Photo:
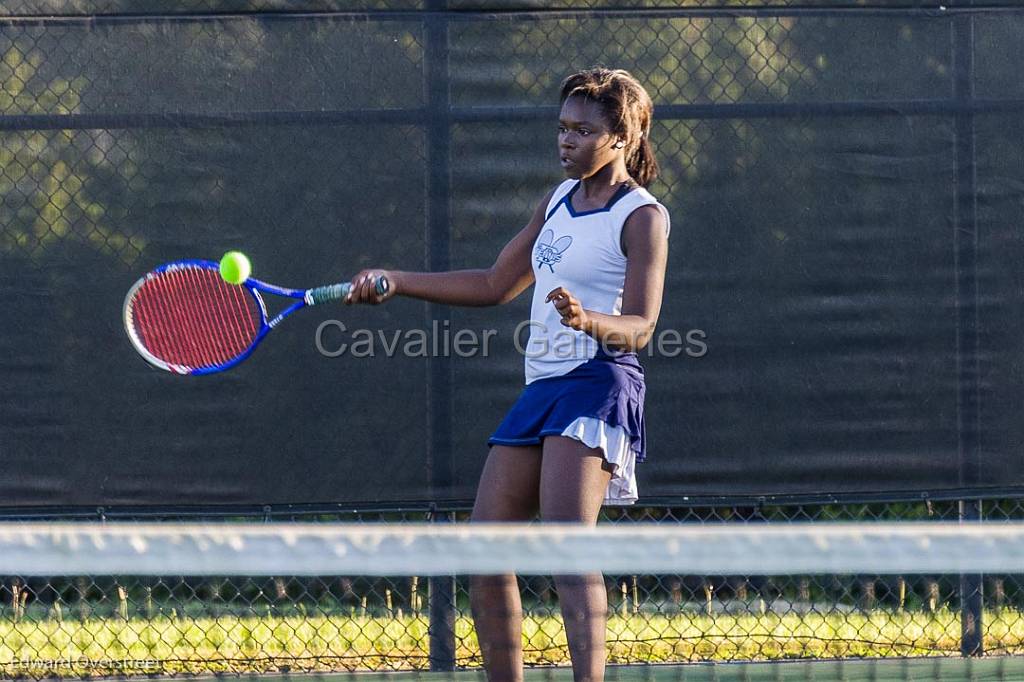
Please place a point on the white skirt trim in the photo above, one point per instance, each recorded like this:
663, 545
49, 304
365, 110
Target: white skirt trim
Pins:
614, 442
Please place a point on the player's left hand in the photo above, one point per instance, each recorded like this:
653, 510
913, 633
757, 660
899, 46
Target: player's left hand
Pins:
569, 308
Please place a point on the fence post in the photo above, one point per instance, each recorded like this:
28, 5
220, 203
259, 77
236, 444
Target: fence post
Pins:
438, 239
438, 255
441, 589
971, 594
965, 246
443, 612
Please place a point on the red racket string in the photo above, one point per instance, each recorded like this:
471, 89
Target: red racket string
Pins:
180, 344
202, 337
165, 331
209, 336
148, 325
191, 317
231, 298
222, 321
216, 328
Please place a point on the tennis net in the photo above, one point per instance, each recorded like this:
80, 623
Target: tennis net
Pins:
685, 602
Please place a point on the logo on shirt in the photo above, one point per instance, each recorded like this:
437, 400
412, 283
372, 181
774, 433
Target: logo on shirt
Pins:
549, 252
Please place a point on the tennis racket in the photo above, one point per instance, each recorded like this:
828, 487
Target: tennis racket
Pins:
184, 318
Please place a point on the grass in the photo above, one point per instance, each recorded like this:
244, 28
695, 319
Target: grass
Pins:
45, 647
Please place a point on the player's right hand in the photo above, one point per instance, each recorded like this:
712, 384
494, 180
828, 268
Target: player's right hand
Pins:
364, 287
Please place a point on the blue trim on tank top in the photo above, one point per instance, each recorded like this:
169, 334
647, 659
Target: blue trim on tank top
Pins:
567, 200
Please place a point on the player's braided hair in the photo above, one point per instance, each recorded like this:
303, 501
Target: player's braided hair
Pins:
628, 110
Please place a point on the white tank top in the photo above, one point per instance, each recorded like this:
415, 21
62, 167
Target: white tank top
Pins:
581, 252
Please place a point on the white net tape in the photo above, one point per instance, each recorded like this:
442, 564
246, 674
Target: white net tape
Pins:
47, 549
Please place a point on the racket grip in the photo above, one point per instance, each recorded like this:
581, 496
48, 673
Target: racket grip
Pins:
336, 292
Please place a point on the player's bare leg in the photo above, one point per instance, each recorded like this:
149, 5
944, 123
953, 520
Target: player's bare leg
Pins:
573, 482
508, 491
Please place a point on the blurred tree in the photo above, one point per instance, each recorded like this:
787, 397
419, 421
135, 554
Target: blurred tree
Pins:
48, 177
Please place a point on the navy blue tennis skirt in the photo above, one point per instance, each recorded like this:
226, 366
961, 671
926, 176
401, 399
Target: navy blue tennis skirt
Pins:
609, 387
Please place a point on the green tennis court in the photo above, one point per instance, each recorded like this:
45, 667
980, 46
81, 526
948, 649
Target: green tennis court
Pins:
887, 670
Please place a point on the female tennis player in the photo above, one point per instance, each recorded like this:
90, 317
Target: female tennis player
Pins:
595, 250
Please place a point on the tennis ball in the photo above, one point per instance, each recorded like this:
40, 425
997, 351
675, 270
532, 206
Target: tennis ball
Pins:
235, 267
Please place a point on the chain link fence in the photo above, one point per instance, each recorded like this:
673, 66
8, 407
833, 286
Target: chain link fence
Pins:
101, 154
92, 626
780, 148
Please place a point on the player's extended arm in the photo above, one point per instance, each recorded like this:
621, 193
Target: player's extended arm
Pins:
510, 274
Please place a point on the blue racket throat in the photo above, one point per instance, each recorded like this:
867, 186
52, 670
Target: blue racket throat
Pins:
184, 318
